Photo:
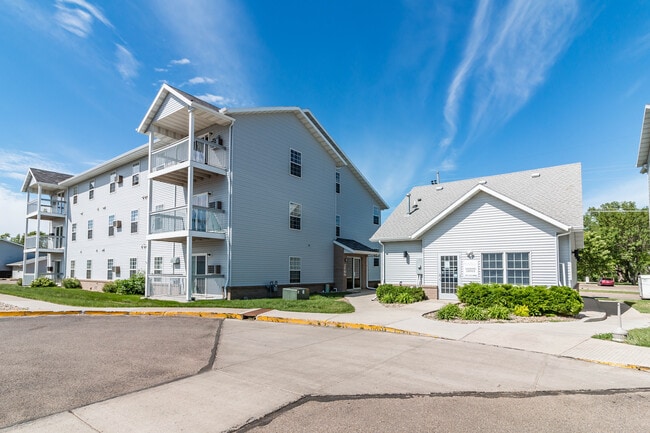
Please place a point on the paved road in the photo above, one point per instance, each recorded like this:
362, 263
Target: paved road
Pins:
53, 364
296, 372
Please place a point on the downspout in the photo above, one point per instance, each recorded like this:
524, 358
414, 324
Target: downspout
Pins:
381, 263
229, 231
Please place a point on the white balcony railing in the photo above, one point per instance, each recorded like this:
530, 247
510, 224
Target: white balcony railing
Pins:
204, 152
167, 285
56, 207
45, 242
203, 286
206, 220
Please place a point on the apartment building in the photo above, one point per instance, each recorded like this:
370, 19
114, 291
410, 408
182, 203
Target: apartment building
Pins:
219, 203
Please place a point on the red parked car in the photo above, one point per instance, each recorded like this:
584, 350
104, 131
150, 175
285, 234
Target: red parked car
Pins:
605, 281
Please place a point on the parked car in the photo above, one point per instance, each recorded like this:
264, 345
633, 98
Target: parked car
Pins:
606, 281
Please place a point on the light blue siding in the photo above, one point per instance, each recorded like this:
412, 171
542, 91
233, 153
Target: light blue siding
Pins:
398, 268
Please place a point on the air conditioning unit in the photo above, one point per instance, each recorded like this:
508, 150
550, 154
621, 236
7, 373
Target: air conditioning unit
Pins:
175, 261
117, 224
116, 269
214, 269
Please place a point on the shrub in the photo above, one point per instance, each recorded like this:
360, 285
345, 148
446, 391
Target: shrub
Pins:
448, 312
389, 294
19, 282
42, 282
132, 286
498, 312
71, 283
472, 312
109, 287
521, 311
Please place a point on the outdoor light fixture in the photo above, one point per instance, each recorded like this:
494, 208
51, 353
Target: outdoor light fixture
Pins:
406, 254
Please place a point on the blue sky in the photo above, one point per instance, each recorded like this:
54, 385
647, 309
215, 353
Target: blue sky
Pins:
407, 88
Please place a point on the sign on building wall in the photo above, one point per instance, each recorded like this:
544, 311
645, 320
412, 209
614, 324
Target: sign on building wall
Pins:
470, 268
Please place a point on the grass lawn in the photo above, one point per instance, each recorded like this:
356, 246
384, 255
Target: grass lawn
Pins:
637, 337
330, 303
642, 306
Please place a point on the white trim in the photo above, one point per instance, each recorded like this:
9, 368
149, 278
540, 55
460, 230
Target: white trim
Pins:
474, 191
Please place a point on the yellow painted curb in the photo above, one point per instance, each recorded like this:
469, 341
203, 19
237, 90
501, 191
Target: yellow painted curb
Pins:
204, 314
347, 325
616, 364
20, 313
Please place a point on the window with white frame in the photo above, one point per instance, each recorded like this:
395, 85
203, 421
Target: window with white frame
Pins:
376, 215
296, 163
133, 266
294, 269
91, 189
111, 225
90, 229
75, 191
157, 265
295, 216
72, 266
134, 221
109, 269
338, 182
111, 184
89, 269
338, 226
135, 178
518, 269
492, 268
74, 232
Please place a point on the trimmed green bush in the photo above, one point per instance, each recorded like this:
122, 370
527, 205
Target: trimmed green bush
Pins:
448, 312
498, 312
19, 282
472, 312
391, 294
521, 311
132, 286
540, 300
42, 282
71, 283
110, 287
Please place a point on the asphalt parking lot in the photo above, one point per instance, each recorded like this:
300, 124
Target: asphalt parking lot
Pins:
54, 364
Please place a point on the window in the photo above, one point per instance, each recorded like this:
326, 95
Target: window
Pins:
134, 221
135, 179
492, 268
338, 182
90, 229
296, 163
518, 269
295, 216
376, 215
338, 226
75, 190
111, 184
157, 265
111, 225
72, 264
375, 261
89, 269
74, 231
294, 269
91, 189
109, 269
133, 266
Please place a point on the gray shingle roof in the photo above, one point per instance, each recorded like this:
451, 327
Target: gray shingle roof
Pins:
51, 177
355, 246
556, 193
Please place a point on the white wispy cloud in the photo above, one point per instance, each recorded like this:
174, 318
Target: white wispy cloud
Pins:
214, 99
509, 53
160, 69
125, 62
78, 16
13, 211
15, 163
183, 61
202, 80
632, 187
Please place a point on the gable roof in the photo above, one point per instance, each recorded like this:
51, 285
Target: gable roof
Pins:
553, 194
644, 142
350, 246
43, 177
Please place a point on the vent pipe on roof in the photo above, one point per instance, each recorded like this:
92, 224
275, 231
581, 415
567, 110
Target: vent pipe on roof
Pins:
408, 209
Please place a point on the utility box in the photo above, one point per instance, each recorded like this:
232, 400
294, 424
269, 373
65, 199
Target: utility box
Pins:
295, 293
644, 286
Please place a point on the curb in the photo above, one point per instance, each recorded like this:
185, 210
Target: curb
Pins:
204, 314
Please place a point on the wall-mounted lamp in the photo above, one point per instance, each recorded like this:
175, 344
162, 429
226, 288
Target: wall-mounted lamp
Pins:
470, 255
406, 254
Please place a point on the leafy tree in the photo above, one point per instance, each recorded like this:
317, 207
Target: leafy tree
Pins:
19, 239
619, 232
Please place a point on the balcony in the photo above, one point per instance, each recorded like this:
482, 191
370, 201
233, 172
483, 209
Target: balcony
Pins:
49, 210
170, 163
172, 224
46, 243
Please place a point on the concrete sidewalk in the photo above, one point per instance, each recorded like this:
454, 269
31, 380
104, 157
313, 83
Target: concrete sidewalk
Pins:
564, 339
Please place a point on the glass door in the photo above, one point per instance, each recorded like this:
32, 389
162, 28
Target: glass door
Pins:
199, 270
353, 272
448, 277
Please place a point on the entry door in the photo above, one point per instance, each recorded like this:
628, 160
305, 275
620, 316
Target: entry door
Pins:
448, 277
353, 272
58, 237
199, 270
